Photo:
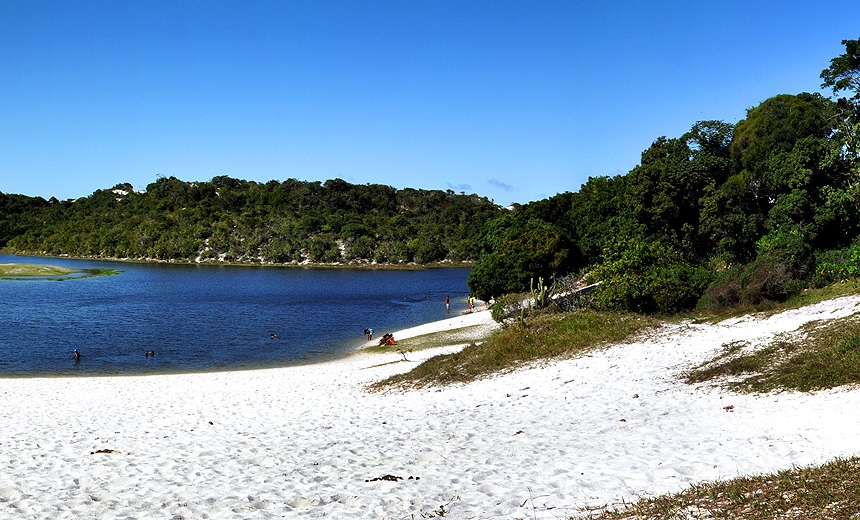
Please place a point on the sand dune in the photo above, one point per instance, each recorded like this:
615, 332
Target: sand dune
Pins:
309, 441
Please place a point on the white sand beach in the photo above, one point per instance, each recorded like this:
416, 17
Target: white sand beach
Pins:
311, 442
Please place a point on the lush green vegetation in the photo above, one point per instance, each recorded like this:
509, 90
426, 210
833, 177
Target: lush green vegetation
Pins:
827, 492
539, 337
240, 221
720, 216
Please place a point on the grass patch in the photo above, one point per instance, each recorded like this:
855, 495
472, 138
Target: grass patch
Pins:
827, 492
820, 355
19, 270
95, 272
50, 272
543, 336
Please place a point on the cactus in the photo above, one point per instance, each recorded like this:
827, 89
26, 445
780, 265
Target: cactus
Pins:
541, 295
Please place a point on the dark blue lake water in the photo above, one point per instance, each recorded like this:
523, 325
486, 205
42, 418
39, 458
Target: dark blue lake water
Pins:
203, 318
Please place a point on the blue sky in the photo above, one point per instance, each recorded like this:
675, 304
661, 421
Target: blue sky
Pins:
515, 101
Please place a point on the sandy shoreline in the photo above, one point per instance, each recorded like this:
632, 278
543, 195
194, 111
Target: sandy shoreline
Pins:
478, 318
309, 441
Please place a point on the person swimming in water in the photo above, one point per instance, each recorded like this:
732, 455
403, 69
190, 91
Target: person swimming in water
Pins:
150, 353
76, 355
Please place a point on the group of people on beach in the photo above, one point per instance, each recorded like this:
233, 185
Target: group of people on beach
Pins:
470, 303
387, 339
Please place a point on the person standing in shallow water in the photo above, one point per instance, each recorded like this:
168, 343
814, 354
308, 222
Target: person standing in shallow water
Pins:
447, 304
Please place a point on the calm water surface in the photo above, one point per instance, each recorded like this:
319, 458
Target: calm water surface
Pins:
202, 318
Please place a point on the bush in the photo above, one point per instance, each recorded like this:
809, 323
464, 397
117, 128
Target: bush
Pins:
647, 277
769, 279
836, 265
751, 284
509, 307
724, 291
786, 245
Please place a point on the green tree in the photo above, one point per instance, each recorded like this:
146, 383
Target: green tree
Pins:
664, 193
844, 75
776, 125
844, 70
599, 215
531, 250
778, 151
648, 277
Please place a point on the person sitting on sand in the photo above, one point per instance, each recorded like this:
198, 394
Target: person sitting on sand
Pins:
387, 339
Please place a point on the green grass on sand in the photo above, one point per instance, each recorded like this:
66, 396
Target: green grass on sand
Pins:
542, 337
34, 270
446, 338
826, 492
51, 272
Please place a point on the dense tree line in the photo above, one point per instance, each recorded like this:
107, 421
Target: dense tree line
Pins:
234, 220
720, 215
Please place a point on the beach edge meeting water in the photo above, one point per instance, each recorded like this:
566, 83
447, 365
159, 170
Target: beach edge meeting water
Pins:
548, 440
205, 318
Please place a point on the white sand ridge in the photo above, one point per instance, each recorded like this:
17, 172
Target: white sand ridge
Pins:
309, 441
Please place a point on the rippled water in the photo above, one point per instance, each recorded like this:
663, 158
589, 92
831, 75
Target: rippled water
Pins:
200, 318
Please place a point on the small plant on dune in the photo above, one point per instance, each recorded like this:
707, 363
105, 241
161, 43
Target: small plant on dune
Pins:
541, 295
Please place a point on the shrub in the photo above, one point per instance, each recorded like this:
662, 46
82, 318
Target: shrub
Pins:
765, 279
647, 277
787, 245
836, 265
508, 307
769, 279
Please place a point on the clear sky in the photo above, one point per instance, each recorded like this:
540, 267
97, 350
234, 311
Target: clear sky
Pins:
515, 101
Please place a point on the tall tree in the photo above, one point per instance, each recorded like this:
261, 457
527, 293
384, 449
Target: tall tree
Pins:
779, 150
665, 191
844, 75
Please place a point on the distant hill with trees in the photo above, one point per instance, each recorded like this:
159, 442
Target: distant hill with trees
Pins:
233, 220
723, 214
